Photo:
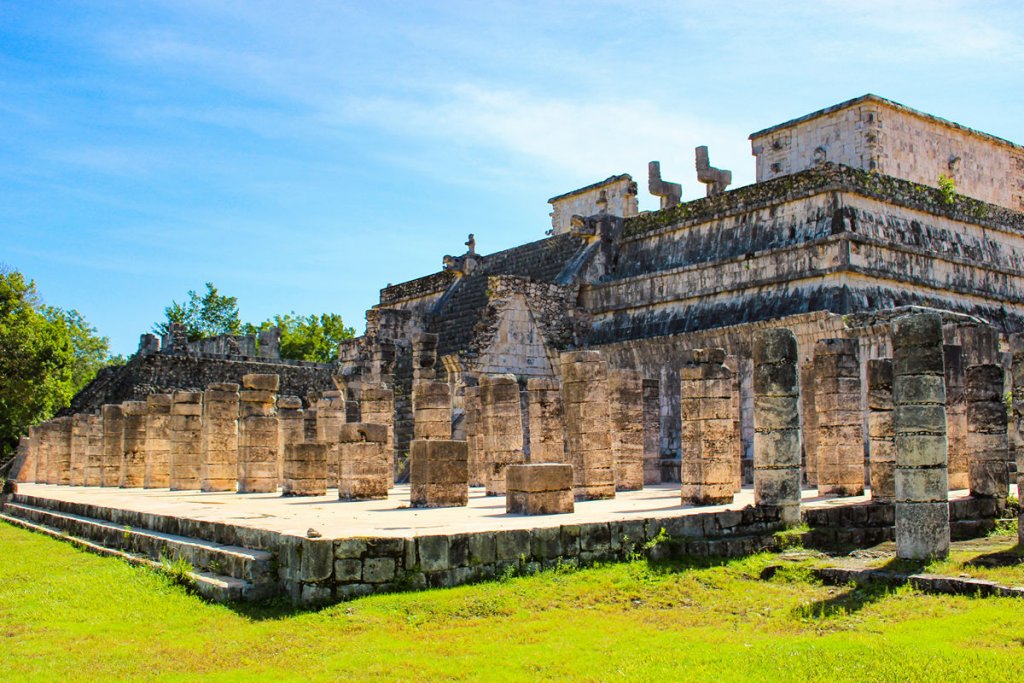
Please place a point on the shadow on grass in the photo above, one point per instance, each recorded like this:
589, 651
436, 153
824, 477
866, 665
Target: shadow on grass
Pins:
1001, 558
850, 601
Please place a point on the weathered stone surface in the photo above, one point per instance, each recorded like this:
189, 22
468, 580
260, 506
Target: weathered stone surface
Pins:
330, 415
257, 437
547, 428
364, 467
711, 448
652, 431
539, 489
588, 437
133, 458
186, 440
305, 469
837, 396
776, 424
439, 474
880, 430
502, 428
625, 401
987, 439
220, 448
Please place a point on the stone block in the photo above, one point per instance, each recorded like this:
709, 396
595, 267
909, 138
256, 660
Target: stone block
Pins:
262, 382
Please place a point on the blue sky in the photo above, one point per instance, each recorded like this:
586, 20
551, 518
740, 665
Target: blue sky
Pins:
302, 155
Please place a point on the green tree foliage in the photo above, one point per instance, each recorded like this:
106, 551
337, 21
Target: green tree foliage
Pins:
209, 315
91, 351
308, 337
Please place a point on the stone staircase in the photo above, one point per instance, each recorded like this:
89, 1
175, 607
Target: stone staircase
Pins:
218, 572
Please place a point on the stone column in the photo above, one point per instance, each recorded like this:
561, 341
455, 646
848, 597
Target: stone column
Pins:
837, 400
809, 413
547, 430
219, 448
186, 440
19, 471
363, 464
956, 416
94, 452
378, 407
777, 423
158, 441
585, 402
626, 411
330, 415
30, 469
987, 445
732, 364
289, 427
1017, 419
60, 451
133, 461
257, 434
919, 419
438, 474
880, 431
652, 431
432, 410
113, 444
502, 429
304, 471
710, 441
79, 448
424, 357
474, 437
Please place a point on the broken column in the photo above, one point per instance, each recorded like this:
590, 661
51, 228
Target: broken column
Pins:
625, 404
987, 444
777, 424
158, 442
113, 442
363, 462
330, 415
837, 401
219, 449
438, 474
432, 410
424, 357
474, 436
186, 440
133, 460
502, 426
79, 448
539, 489
652, 431
60, 453
710, 440
547, 433
289, 426
882, 446
29, 471
588, 438
956, 416
257, 434
304, 470
919, 420
377, 404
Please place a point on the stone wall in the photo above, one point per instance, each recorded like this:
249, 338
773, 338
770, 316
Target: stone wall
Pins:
615, 196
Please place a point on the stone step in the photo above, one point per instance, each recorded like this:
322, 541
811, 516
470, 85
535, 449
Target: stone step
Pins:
213, 587
254, 567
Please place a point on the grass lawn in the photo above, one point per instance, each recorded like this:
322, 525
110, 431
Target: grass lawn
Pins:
68, 615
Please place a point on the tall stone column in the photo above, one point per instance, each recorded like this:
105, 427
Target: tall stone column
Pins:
474, 436
502, 429
133, 460
158, 441
60, 454
289, 427
710, 440
880, 431
547, 431
29, 472
363, 463
43, 431
378, 407
219, 448
837, 400
652, 431
956, 416
186, 440
588, 437
987, 444
732, 364
1017, 419
919, 419
94, 451
79, 447
304, 472
625, 406
809, 412
431, 410
330, 415
113, 444
777, 423
257, 434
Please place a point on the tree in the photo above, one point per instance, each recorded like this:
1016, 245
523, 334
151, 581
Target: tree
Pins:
91, 351
204, 316
310, 337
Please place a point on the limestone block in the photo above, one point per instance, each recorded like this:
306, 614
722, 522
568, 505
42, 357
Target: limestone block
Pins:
987, 442
304, 471
837, 397
186, 440
158, 441
776, 424
363, 468
219, 446
711, 448
539, 489
330, 415
501, 427
438, 473
652, 430
881, 432
94, 452
377, 406
79, 448
113, 442
547, 433
263, 382
956, 416
587, 427
133, 461
625, 393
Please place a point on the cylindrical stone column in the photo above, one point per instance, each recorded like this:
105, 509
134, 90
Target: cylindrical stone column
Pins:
710, 441
330, 415
133, 459
588, 437
289, 426
158, 441
113, 444
377, 404
432, 410
837, 401
186, 440
626, 412
880, 431
956, 416
304, 472
219, 448
987, 444
474, 436
652, 431
919, 419
79, 448
94, 451
363, 462
257, 434
502, 429
547, 427
777, 423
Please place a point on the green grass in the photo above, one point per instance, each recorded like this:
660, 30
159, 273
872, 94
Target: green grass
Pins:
68, 615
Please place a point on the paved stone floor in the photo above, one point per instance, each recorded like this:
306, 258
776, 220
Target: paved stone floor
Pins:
334, 518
